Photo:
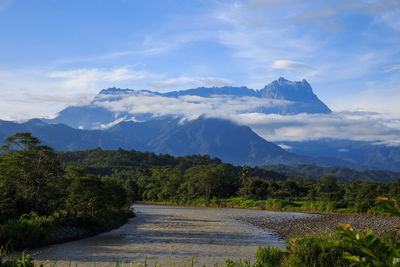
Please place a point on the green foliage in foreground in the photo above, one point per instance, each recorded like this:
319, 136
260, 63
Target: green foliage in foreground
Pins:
38, 196
343, 248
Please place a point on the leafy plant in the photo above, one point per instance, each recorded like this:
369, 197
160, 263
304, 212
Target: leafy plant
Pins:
367, 249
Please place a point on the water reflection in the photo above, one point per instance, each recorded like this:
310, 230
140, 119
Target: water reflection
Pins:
209, 234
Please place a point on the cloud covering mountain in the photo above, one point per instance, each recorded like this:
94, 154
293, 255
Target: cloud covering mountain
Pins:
282, 111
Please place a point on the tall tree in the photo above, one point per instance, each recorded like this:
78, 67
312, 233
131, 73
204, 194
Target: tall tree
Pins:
29, 167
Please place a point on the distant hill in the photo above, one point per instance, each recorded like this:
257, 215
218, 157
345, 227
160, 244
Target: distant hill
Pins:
343, 174
60, 136
359, 153
220, 138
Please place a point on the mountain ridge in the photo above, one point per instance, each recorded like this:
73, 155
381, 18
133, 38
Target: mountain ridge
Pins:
281, 97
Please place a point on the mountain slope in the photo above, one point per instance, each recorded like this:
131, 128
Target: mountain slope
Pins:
219, 138
378, 156
60, 136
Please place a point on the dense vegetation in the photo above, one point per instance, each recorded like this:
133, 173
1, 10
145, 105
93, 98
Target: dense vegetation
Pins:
201, 180
37, 194
343, 174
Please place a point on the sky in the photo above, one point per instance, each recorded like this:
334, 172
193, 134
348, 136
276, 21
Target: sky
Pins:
58, 53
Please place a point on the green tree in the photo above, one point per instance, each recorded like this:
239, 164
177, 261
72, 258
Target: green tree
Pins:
115, 195
27, 168
258, 188
329, 188
86, 196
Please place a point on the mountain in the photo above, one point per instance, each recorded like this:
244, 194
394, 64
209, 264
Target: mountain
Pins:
299, 92
157, 122
217, 137
202, 136
372, 155
61, 136
220, 138
114, 105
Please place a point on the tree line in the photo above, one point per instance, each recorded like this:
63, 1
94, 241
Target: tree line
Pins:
163, 178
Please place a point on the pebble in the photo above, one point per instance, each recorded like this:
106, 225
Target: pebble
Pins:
325, 223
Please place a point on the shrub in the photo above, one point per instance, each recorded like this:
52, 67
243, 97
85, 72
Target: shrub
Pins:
7, 261
321, 250
270, 256
277, 204
21, 233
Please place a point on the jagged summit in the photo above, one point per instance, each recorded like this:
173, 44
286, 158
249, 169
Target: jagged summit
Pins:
119, 91
114, 91
297, 91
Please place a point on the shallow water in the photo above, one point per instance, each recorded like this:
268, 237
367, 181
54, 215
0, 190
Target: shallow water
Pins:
207, 235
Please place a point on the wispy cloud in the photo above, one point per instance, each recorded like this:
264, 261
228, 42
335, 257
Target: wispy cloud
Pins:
38, 93
392, 68
321, 17
82, 78
188, 82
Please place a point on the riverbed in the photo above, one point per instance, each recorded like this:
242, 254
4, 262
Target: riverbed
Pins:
206, 235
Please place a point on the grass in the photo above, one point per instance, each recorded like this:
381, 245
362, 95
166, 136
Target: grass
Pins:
270, 204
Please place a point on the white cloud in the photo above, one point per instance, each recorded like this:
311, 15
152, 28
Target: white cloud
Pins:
82, 78
357, 125
393, 68
288, 64
108, 125
210, 81
286, 147
39, 93
189, 105
337, 125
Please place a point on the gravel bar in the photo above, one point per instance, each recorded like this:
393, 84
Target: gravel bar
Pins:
324, 223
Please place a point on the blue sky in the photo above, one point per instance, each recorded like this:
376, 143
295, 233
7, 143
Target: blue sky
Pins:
57, 53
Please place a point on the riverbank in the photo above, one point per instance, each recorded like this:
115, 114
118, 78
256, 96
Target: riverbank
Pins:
34, 232
312, 207
325, 223
320, 222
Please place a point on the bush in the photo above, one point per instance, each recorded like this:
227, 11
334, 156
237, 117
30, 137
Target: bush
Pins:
21, 233
277, 204
270, 256
321, 206
7, 261
322, 250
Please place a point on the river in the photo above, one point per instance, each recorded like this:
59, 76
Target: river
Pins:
206, 235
